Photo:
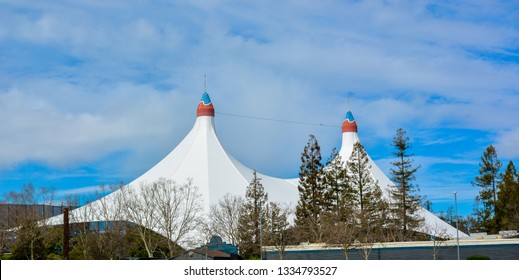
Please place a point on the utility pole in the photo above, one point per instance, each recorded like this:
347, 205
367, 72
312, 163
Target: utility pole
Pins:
66, 234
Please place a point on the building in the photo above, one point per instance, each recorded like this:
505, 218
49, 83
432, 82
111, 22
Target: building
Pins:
201, 157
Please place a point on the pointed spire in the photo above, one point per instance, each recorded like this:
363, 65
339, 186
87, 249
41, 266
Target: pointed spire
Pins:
205, 107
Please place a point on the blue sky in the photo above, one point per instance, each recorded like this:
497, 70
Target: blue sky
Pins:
97, 92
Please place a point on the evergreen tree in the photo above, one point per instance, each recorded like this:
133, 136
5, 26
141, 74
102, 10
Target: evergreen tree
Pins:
311, 192
363, 184
338, 192
405, 201
507, 205
252, 220
487, 181
370, 206
277, 231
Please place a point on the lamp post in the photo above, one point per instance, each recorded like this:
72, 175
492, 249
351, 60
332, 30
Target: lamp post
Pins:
260, 230
457, 225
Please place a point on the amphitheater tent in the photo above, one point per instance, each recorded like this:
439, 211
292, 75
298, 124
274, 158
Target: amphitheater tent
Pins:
202, 158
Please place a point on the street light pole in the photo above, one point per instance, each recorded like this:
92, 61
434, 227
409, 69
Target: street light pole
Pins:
260, 230
457, 226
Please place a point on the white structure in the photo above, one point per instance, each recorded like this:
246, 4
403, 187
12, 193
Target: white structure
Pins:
199, 157
202, 158
432, 224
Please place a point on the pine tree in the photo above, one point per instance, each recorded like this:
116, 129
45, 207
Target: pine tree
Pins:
311, 192
361, 179
507, 205
277, 233
370, 206
252, 219
338, 192
487, 181
405, 201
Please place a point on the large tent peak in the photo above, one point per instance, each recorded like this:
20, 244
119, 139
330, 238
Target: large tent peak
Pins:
349, 124
205, 107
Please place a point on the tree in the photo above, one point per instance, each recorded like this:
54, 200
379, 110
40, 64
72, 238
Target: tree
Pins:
438, 238
342, 230
179, 209
370, 207
487, 181
405, 201
338, 192
252, 219
111, 212
311, 192
278, 227
224, 217
141, 210
507, 204
28, 211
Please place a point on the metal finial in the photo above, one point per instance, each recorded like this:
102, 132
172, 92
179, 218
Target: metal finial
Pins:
205, 83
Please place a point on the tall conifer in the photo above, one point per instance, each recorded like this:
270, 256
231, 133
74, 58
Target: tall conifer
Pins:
488, 181
405, 200
507, 205
311, 192
370, 206
252, 219
338, 192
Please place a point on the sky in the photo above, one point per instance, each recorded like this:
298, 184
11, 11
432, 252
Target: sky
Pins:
97, 92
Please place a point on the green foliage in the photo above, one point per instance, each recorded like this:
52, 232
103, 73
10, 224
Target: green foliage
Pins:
487, 182
312, 191
253, 219
405, 198
37, 243
507, 204
277, 232
371, 209
365, 188
338, 192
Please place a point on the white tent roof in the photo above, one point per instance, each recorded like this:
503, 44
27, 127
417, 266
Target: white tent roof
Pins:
201, 157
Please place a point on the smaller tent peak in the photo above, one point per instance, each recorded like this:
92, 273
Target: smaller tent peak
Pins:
349, 124
205, 99
205, 107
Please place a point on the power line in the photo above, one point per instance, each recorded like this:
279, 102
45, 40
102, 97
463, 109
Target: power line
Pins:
276, 120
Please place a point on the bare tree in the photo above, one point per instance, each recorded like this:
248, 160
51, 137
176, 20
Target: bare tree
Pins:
99, 227
179, 210
341, 231
81, 229
224, 217
110, 211
140, 210
438, 238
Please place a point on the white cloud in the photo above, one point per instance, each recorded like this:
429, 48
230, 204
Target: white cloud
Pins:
507, 144
83, 80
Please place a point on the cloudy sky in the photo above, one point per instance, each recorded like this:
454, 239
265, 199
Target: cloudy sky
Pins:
97, 92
